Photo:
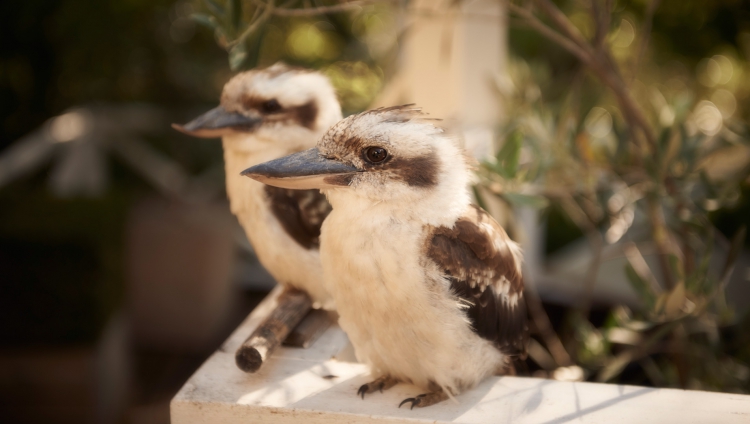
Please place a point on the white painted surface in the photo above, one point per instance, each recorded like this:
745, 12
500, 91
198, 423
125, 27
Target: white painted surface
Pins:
291, 388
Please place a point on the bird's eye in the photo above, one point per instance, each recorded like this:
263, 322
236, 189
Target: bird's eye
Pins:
270, 106
376, 154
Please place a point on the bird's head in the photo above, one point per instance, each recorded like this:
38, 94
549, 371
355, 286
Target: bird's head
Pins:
384, 155
280, 105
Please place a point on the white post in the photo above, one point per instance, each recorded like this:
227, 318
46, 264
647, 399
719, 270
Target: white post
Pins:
450, 59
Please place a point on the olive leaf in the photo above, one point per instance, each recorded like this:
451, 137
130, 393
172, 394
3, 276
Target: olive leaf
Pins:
506, 160
237, 56
205, 20
641, 286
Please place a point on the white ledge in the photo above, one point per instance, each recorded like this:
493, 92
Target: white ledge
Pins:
296, 385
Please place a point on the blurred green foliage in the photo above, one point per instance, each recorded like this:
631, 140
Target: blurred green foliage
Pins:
354, 47
581, 153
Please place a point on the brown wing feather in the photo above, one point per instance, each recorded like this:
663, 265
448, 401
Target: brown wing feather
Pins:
483, 266
300, 213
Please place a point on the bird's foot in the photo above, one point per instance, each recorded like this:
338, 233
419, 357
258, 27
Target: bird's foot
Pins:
425, 399
382, 383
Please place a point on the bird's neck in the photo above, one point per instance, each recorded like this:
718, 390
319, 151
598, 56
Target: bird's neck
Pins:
440, 206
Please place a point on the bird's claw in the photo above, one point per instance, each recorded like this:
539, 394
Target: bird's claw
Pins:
369, 388
425, 399
380, 384
362, 390
414, 401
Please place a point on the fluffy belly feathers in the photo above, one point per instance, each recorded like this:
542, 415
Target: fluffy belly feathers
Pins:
289, 263
400, 316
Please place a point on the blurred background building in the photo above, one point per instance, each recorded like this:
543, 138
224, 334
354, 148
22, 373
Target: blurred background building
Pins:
121, 267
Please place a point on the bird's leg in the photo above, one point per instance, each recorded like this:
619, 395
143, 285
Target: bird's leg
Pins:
381, 383
425, 399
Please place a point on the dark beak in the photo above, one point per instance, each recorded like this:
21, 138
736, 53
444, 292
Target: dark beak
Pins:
302, 171
218, 122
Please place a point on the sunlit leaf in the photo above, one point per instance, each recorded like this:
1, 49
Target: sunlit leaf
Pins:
221, 37
237, 56
494, 167
510, 153
623, 335
478, 197
623, 317
506, 160
674, 301
357, 83
205, 20
592, 346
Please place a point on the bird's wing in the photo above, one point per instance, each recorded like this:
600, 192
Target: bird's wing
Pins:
484, 268
300, 213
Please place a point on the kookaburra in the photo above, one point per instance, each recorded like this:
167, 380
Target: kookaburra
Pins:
266, 114
428, 287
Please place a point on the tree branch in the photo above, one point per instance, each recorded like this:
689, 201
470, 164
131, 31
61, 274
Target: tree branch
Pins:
660, 233
269, 7
602, 19
646, 31
601, 65
533, 22
544, 325
596, 243
321, 10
